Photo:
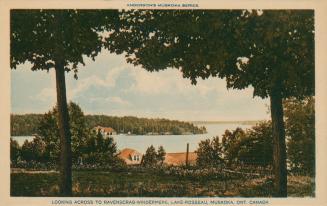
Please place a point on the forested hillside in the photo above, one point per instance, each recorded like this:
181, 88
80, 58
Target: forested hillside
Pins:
24, 124
27, 124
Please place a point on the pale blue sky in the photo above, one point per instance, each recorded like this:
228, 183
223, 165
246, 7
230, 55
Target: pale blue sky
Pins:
111, 86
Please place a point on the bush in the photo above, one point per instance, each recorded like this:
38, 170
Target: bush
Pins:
209, 153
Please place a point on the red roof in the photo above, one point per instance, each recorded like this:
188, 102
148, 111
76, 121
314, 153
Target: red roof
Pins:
105, 129
126, 155
179, 158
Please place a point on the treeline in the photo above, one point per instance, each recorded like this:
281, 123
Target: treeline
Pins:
245, 122
27, 124
142, 126
24, 124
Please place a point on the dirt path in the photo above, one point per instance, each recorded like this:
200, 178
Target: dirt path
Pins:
19, 170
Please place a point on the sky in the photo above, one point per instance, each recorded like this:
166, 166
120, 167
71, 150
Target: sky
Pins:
113, 87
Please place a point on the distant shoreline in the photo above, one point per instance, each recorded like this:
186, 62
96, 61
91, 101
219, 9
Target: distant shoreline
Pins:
181, 120
245, 122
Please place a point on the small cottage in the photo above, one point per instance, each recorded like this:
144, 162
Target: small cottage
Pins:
105, 131
130, 156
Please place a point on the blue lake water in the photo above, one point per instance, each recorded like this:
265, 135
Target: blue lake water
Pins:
171, 143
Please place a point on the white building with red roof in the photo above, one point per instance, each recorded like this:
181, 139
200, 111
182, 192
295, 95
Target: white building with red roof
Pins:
105, 131
130, 156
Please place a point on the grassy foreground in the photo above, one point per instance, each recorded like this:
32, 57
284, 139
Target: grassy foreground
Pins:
143, 184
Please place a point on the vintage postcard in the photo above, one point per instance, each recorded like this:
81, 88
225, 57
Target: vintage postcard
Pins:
163, 103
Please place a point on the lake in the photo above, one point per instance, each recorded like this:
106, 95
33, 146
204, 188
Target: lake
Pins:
21, 139
171, 143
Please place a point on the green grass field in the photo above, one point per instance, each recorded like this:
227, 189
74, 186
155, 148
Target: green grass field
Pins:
143, 184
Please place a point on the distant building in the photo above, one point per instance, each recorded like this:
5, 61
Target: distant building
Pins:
105, 131
179, 158
130, 156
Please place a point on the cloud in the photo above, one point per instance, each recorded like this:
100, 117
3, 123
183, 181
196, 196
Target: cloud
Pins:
84, 84
112, 76
46, 94
118, 100
81, 85
169, 81
108, 82
115, 100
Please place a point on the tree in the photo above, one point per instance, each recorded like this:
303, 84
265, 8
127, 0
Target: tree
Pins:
88, 146
100, 150
33, 150
272, 51
300, 131
59, 39
15, 151
251, 147
78, 129
231, 143
150, 157
49, 132
209, 153
257, 146
161, 155
109, 150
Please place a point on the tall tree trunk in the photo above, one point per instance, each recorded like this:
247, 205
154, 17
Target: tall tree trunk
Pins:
65, 136
279, 147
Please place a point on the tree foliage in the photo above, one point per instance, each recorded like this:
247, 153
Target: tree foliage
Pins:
230, 144
209, 153
24, 124
300, 131
35, 36
161, 155
15, 151
34, 150
99, 150
248, 48
251, 147
152, 157
49, 132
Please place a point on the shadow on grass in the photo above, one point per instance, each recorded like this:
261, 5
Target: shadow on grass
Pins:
126, 184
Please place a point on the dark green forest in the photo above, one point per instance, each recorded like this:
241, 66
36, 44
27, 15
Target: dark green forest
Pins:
27, 124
